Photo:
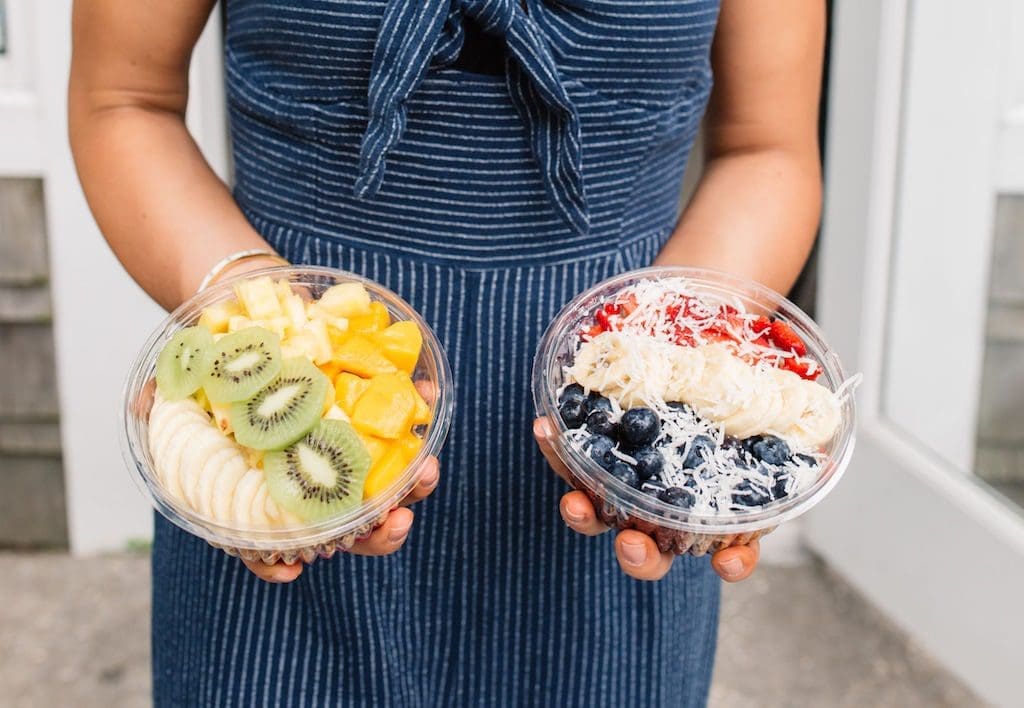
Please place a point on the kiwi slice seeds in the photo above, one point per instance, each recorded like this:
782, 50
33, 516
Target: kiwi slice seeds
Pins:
320, 476
284, 410
242, 364
183, 362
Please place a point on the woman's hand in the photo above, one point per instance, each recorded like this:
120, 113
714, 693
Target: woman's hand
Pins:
384, 540
637, 553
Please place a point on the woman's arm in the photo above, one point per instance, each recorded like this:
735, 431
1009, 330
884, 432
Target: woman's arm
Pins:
756, 209
755, 212
165, 214
161, 208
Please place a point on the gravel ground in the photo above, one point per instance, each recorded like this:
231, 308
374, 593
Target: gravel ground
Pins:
74, 632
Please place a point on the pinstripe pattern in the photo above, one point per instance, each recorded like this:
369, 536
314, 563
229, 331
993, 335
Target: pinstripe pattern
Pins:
492, 601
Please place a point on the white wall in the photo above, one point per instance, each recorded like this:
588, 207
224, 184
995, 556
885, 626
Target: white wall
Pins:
101, 317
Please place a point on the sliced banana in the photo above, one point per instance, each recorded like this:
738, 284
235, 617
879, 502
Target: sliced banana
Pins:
759, 411
169, 464
793, 398
246, 491
726, 384
210, 472
223, 494
687, 372
820, 418
207, 443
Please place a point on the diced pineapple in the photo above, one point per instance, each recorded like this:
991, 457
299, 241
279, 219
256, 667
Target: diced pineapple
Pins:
222, 417
202, 400
215, 317
238, 322
259, 298
295, 310
303, 344
283, 289
345, 300
324, 350
335, 413
277, 325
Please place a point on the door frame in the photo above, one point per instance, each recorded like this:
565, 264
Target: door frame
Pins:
934, 549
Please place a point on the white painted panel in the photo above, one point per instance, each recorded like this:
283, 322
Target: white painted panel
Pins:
20, 148
938, 553
943, 227
1009, 178
101, 318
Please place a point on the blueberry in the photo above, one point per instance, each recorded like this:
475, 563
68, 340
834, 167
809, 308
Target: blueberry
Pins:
600, 422
691, 482
573, 413
746, 493
806, 459
680, 406
649, 462
677, 496
694, 457
639, 426
779, 487
600, 449
572, 392
771, 450
597, 402
624, 473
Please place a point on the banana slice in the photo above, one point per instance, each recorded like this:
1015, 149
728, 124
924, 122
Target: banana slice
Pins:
223, 494
756, 416
726, 384
169, 464
793, 396
245, 493
206, 444
820, 418
209, 473
160, 433
687, 371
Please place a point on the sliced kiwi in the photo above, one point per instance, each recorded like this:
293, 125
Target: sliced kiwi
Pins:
321, 475
183, 362
242, 364
284, 410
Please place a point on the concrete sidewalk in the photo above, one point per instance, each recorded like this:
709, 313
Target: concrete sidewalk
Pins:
76, 633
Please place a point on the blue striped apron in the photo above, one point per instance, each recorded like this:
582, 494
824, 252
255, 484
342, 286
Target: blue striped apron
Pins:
487, 202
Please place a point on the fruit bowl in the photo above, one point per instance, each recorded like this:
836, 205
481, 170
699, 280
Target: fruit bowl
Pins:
697, 407
283, 414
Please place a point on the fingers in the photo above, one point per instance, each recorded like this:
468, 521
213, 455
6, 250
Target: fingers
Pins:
736, 563
430, 476
639, 557
543, 432
276, 573
579, 515
388, 538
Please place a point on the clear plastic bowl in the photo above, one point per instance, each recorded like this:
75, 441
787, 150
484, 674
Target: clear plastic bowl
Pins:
314, 540
620, 505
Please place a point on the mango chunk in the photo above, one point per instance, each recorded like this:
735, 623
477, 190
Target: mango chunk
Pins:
384, 472
376, 318
410, 446
375, 446
386, 408
401, 343
347, 390
361, 357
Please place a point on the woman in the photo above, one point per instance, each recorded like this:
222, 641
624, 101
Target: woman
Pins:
487, 159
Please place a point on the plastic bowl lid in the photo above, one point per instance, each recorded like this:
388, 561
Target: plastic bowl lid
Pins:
557, 350
432, 369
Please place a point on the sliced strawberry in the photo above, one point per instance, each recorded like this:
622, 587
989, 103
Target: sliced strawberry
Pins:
802, 367
761, 325
611, 308
593, 331
673, 312
602, 319
786, 339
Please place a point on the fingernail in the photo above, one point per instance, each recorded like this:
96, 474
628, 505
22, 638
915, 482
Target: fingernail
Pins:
430, 479
572, 514
634, 553
397, 533
544, 428
732, 566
